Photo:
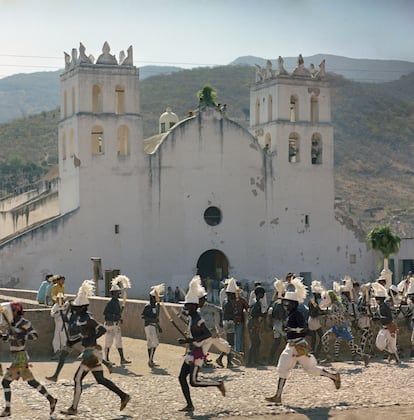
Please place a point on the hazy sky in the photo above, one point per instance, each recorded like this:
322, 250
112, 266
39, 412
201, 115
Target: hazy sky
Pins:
190, 33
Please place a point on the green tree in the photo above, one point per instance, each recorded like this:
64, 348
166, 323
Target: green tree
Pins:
382, 239
207, 96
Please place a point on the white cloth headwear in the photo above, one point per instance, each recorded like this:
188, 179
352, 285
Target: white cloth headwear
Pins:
316, 287
232, 286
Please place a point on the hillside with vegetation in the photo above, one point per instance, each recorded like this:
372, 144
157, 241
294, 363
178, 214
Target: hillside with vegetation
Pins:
374, 151
374, 137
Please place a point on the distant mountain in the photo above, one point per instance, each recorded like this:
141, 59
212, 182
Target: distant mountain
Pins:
25, 94
357, 69
149, 71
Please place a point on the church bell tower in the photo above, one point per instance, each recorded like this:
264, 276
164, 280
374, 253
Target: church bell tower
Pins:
100, 130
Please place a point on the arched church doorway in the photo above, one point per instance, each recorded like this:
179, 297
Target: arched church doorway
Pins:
214, 264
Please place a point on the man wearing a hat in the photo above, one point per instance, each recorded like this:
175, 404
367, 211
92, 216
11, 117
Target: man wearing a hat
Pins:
340, 329
60, 334
254, 326
57, 294
387, 335
297, 349
18, 332
41, 293
48, 290
365, 318
197, 333
113, 319
240, 306
395, 297
222, 293
228, 327
253, 299
151, 317
58, 286
90, 331
404, 285
315, 313
277, 319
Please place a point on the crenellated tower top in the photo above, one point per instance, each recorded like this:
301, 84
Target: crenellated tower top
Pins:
79, 58
266, 73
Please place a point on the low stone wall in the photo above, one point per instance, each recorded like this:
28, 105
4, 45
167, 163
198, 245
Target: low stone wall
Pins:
41, 320
133, 325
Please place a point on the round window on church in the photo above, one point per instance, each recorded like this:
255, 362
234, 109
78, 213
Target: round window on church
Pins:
212, 216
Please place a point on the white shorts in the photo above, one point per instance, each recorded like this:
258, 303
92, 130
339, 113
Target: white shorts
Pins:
290, 357
386, 341
151, 333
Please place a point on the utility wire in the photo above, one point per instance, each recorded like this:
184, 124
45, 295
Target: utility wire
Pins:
165, 63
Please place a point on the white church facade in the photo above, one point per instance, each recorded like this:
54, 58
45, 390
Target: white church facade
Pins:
204, 195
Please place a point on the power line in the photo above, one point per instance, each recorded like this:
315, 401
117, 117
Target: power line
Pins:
166, 63
30, 56
30, 66
178, 64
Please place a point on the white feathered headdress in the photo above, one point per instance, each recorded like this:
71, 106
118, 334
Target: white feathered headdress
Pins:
365, 288
6, 313
123, 283
316, 287
347, 284
120, 282
379, 290
300, 292
157, 291
195, 290
86, 290
336, 287
280, 287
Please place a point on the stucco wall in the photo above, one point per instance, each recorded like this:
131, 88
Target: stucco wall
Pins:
36, 208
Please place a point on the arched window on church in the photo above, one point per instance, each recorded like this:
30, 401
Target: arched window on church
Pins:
294, 108
316, 149
97, 138
73, 101
270, 108
63, 144
268, 143
97, 99
257, 111
65, 104
314, 110
119, 100
123, 140
71, 142
294, 148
